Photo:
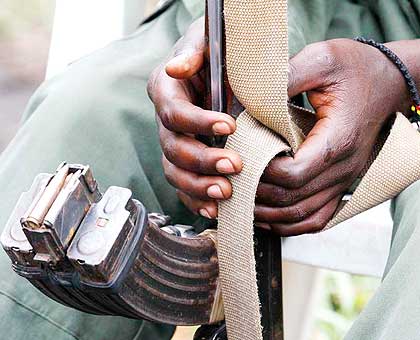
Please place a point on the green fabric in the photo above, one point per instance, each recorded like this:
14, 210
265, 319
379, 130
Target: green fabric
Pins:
98, 112
394, 311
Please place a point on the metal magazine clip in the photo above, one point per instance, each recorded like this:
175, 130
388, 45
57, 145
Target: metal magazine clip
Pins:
107, 241
57, 211
106, 255
13, 239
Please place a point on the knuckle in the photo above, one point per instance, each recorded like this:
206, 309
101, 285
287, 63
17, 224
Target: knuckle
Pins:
346, 176
164, 162
326, 53
182, 196
169, 177
200, 164
167, 118
167, 169
275, 167
284, 196
272, 169
298, 213
194, 160
350, 144
307, 49
152, 82
318, 223
169, 149
205, 162
326, 56
289, 196
294, 176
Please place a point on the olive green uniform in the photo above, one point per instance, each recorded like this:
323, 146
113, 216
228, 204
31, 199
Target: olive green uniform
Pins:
98, 113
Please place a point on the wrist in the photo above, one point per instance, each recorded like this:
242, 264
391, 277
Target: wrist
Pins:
409, 53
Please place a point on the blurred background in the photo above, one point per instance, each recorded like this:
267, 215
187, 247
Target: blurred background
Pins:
25, 32
25, 36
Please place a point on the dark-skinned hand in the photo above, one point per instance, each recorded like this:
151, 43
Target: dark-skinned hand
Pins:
177, 90
353, 89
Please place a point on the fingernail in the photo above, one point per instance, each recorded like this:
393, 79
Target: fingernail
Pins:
225, 166
221, 128
180, 61
214, 191
186, 66
204, 213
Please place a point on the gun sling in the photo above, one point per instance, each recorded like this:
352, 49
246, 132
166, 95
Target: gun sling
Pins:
104, 254
257, 66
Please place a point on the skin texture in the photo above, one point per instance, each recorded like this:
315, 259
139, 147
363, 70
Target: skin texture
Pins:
354, 90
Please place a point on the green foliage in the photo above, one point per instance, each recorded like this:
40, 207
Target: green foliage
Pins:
343, 298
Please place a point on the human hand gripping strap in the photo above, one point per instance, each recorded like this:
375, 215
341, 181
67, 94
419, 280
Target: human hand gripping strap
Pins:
257, 65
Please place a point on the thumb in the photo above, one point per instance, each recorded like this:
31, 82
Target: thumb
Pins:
308, 70
186, 64
189, 53
326, 144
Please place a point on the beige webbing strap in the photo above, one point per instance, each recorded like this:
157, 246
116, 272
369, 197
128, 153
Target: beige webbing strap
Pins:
257, 62
235, 230
257, 56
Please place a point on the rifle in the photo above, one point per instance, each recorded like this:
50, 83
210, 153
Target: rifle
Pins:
267, 246
105, 254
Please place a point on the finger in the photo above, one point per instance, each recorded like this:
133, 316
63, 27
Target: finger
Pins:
207, 209
310, 68
272, 191
197, 186
185, 65
174, 106
314, 68
262, 225
189, 154
189, 53
314, 223
299, 211
181, 115
325, 145
198, 84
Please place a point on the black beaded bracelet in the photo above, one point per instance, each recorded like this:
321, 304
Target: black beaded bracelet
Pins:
411, 84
